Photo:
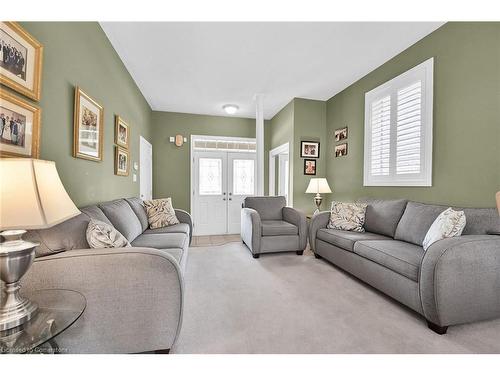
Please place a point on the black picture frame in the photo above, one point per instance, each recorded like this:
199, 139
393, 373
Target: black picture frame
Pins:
304, 144
305, 167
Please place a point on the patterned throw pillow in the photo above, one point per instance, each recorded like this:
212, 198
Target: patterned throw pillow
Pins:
160, 213
347, 216
101, 235
449, 223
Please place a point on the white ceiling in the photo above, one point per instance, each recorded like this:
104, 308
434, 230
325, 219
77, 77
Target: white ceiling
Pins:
199, 67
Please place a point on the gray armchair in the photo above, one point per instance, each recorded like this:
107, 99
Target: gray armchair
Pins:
268, 226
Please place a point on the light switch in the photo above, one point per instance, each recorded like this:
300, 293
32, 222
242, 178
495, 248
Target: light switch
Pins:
185, 139
134, 177
172, 139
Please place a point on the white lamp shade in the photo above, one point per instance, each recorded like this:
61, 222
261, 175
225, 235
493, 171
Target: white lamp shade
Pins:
318, 185
32, 195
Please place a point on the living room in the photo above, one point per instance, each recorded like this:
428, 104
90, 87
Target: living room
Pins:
250, 187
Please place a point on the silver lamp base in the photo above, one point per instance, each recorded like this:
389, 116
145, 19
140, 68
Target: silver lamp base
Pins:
317, 201
16, 257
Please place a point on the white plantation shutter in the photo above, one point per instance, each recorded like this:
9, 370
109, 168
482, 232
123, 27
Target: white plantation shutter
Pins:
398, 130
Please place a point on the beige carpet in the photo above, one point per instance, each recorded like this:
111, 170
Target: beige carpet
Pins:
284, 303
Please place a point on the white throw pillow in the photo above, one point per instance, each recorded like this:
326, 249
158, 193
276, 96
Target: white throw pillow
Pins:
347, 216
449, 223
101, 235
160, 213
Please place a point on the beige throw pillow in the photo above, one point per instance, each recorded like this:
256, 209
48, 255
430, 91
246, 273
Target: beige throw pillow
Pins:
102, 235
449, 223
347, 216
160, 213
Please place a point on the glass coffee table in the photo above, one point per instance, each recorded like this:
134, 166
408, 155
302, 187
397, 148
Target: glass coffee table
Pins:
58, 309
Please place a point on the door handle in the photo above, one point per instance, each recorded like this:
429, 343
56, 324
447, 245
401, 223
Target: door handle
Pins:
230, 193
223, 199
230, 199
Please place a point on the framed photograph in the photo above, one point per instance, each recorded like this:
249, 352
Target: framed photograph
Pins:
121, 161
19, 127
340, 134
309, 149
310, 167
88, 127
121, 132
20, 60
341, 150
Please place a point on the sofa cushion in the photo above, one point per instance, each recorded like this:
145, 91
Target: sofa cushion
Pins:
70, 234
401, 257
418, 218
123, 218
176, 228
346, 239
269, 208
160, 213
278, 228
101, 235
162, 241
347, 216
94, 212
449, 223
382, 216
137, 206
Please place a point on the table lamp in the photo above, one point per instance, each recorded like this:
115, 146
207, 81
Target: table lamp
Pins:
31, 197
318, 186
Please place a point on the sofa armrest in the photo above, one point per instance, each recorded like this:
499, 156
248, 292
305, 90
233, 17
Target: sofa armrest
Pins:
251, 229
185, 217
318, 221
459, 280
297, 218
134, 297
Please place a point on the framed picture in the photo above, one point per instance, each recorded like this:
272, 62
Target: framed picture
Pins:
19, 127
121, 132
341, 150
309, 149
340, 134
121, 161
310, 167
88, 127
20, 60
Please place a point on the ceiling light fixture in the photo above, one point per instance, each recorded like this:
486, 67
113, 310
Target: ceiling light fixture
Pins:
230, 108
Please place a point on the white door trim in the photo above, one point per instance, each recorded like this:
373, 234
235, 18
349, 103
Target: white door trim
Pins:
142, 144
285, 147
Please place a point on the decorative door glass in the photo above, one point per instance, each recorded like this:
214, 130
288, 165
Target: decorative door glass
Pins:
210, 181
243, 177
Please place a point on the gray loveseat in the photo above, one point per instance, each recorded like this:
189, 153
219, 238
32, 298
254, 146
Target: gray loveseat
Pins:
457, 280
134, 294
268, 226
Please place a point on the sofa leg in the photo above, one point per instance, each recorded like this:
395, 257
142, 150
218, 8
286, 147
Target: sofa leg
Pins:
256, 256
300, 252
317, 256
438, 329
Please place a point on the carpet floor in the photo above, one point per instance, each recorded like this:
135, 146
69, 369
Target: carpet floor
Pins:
284, 303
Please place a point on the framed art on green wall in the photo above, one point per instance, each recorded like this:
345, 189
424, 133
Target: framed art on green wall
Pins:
122, 136
88, 127
20, 60
122, 161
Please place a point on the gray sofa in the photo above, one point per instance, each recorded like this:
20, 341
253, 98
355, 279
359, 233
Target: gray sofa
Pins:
268, 226
457, 280
134, 294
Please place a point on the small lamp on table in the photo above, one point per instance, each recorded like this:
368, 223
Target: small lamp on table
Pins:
318, 186
31, 197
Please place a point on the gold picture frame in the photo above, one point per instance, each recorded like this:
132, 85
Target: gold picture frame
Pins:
25, 118
24, 74
122, 130
122, 161
88, 127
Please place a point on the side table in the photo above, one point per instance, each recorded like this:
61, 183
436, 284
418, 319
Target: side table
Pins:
58, 309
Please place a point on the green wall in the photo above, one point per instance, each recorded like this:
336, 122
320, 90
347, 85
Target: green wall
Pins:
466, 152
80, 54
171, 164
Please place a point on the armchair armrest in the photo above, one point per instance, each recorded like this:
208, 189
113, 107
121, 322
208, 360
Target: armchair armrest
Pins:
318, 221
134, 297
459, 280
185, 217
297, 218
251, 229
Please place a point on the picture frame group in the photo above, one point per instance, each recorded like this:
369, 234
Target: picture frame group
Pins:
21, 71
340, 135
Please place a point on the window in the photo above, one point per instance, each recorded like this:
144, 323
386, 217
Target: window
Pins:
210, 181
398, 130
243, 177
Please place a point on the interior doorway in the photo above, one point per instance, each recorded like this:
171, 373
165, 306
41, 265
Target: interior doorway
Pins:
280, 172
146, 169
223, 173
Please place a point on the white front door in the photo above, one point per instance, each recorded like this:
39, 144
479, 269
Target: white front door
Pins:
146, 169
221, 181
